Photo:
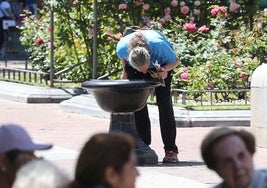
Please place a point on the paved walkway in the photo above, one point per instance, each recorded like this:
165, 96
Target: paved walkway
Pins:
83, 103
69, 124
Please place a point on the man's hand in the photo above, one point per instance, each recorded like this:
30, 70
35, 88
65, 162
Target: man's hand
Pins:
162, 72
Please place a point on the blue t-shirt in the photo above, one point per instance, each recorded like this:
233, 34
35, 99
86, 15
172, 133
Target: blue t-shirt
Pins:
160, 48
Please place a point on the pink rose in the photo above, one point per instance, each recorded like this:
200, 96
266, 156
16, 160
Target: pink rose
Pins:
219, 10
167, 18
182, 3
238, 63
214, 11
203, 29
184, 69
122, 6
162, 21
48, 46
191, 27
146, 6
174, 3
167, 11
196, 12
185, 9
243, 75
234, 7
184, 76
197, 3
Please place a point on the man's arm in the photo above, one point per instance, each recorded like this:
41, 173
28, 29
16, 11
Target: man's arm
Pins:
173, 65
163, 73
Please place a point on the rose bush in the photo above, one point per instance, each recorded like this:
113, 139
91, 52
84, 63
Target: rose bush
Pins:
219, 57
219, 43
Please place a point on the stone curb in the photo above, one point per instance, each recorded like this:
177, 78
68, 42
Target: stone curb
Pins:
78, 100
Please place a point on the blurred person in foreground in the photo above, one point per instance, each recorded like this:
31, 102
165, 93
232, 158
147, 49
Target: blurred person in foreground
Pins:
147, 54
16, 149
40, 174
229, 152
107, 160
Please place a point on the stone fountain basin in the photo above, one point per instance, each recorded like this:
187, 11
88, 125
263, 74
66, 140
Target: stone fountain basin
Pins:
120, 96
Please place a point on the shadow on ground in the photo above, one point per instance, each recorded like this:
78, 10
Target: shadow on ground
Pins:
178, 164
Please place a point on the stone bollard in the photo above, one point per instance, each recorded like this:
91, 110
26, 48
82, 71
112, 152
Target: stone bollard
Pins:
258, 118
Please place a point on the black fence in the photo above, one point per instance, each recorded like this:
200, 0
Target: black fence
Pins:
210, 97
23, 76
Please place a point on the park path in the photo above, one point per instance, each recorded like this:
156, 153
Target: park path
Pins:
69, 131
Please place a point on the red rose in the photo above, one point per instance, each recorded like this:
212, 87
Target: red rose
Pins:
243, 75
39, 41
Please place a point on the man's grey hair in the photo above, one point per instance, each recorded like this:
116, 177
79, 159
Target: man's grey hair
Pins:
139, 56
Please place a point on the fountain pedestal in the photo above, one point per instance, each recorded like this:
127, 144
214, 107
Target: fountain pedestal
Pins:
126, 123
122, 98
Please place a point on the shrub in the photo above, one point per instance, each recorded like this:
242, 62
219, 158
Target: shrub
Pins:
210, 37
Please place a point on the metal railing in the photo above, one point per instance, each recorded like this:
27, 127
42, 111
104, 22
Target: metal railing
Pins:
211, 95
23, 76
207, 97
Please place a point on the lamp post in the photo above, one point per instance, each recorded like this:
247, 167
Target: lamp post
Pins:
51, 45
95, 42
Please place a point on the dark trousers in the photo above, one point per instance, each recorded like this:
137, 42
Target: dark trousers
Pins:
166, 114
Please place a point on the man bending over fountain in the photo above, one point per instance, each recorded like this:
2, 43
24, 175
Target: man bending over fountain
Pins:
147, 54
